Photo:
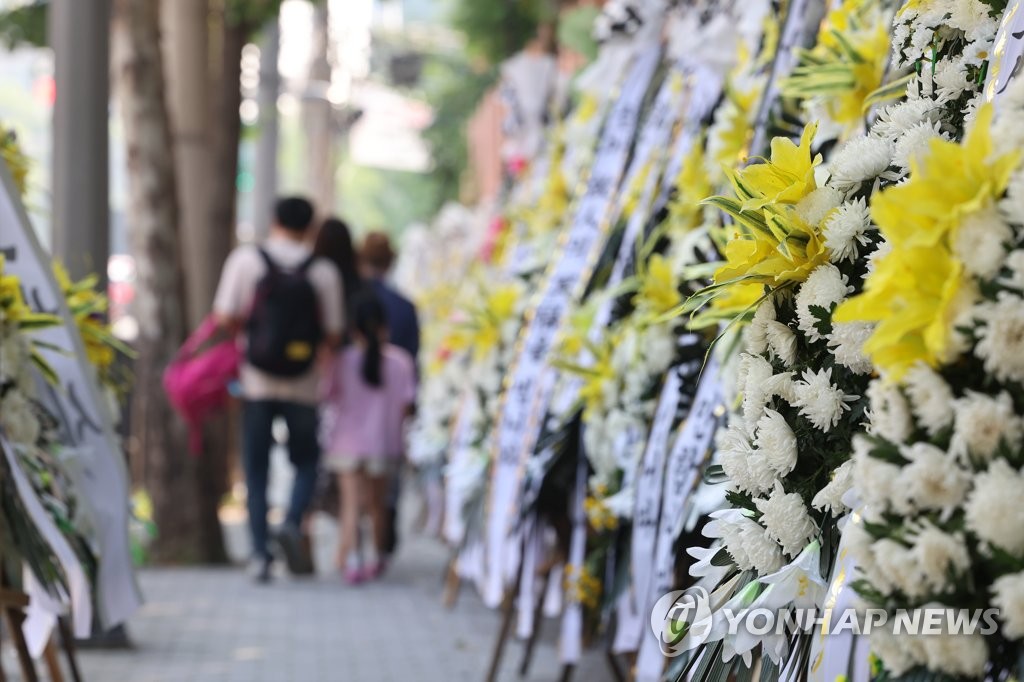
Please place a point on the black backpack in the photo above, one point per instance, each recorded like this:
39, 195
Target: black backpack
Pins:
284, 326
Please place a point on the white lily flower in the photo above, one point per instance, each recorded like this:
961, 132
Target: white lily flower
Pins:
798, 584
710, 575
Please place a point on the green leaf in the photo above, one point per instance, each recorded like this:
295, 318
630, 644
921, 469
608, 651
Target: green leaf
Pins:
43, 366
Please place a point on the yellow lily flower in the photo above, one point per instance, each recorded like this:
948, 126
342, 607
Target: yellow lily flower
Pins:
693, 185
948, 182
786, 178
17, 162
914, 295
659, 292
916, 291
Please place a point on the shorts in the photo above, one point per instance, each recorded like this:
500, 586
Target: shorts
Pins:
372, 465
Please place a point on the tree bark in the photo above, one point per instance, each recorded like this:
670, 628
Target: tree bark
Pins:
158, 434
186, 40
265, 165
319, 115
225, 128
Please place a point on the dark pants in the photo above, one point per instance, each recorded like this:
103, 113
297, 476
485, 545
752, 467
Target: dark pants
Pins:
303, 451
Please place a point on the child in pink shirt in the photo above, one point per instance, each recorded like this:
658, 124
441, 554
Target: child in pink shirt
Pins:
369, 392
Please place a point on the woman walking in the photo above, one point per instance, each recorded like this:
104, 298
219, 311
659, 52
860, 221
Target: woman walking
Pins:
369, 392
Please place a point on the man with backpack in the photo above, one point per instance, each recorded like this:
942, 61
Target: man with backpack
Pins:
288, 306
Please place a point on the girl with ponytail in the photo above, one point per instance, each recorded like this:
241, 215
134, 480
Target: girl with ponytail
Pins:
369, 392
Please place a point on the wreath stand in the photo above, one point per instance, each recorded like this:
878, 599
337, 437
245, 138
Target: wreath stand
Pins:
13, 604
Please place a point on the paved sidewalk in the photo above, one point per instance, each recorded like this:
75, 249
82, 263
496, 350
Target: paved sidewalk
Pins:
206, 625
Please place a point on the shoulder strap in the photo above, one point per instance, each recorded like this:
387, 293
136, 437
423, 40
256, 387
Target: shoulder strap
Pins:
271, 265
305, 265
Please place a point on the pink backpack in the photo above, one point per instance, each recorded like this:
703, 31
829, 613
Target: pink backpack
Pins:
196, 382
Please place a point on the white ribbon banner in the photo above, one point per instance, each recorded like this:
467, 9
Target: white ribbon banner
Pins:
840, 654
461, 450
525, 399
97, 467
645, 516
1008, 52
684, 467
802, 17
571, 639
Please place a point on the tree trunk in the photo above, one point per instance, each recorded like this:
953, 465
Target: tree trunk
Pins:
319, 114
265, 166
158, 435
225, 130
186, 50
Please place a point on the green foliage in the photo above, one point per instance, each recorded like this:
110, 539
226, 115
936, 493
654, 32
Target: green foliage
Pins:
389, 200
496, 29
575, 31
453, 88
251, 13
25, 25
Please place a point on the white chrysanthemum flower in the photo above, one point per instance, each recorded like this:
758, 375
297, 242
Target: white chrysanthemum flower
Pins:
875, 480
756, 333
815, 206
13, 356
1002, 337
754, 371
1006, 128
781, 342
749, 545
890, 413
1012, 205
900, 36
733, 543
931, 398
847, 345
957, 654
1008, 597
860, 160
1015, 265
979, 242
951, 80
658, 349
981, 423
896, 119
898, 567
781, 386
1011, 102
785, 519
845, 228
860, 544
898, 653
884, 249
830, 498
939, 555
825, 286
993, 509
18, 419
777, 442
972, 17
933, 480
913, 142
747, 469
820, 401
922, 37
763, 552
